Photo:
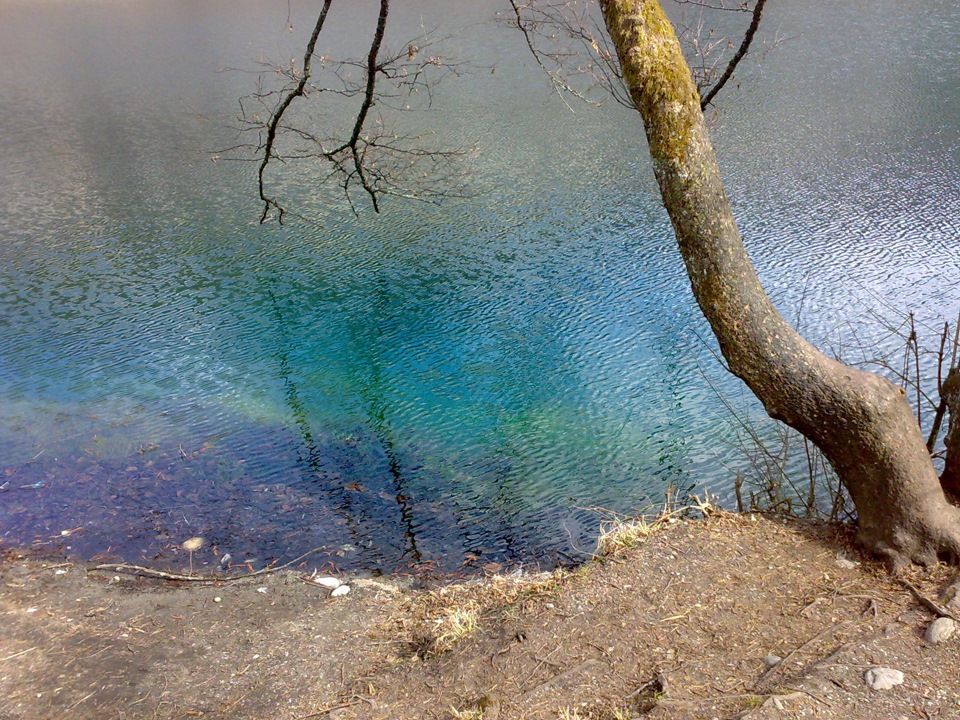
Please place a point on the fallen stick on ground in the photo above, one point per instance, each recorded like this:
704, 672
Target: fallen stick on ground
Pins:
161, 575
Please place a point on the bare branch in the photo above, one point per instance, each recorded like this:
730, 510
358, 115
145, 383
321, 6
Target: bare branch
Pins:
365, 156
721, 5
277, 116
738, 56
559, 85
368, 99
571, 48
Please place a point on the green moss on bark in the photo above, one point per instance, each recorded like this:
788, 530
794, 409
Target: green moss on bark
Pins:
657, 74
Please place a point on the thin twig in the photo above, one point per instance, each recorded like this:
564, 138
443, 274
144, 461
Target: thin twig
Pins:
18, 654
783, 663
150, 572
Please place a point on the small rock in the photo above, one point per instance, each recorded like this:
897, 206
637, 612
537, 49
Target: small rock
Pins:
940, 629
772, 660
846, 562
225, 560
880, 678
342, 590
330, 583
217, 599
951, 597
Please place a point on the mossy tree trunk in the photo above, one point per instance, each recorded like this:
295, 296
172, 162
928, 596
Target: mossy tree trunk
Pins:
861, 422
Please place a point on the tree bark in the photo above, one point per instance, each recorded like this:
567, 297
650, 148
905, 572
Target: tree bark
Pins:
860, 421
950, 479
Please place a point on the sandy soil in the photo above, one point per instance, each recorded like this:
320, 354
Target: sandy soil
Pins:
676, 628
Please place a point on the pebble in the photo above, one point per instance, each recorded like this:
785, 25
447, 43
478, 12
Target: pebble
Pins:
216, 599
342, 590
772, 660
846, 562
940, 629
880, 678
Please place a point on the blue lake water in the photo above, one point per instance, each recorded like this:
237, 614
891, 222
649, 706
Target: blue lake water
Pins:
442, 386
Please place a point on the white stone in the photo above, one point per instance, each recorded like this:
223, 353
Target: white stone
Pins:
342, 590
880, 678
940, 629
330, 583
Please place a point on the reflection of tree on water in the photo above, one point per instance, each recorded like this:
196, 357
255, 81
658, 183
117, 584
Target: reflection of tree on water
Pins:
461, 489
371, 386
346, 497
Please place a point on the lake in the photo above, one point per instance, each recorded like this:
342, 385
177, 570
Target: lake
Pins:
463, 385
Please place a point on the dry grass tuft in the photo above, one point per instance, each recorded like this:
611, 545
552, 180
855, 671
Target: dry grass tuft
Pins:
471, 714
456, 624
434, 622
619, 533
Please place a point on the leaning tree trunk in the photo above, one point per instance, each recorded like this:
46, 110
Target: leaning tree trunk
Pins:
860, 421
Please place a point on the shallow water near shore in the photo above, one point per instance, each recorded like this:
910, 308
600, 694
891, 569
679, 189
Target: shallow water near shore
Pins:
454, 386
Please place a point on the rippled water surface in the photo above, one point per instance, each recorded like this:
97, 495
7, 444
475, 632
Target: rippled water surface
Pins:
444, 385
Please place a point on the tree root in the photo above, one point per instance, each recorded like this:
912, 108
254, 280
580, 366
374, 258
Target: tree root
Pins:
924, 536
934, 607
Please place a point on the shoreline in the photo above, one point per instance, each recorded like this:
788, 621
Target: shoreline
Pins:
678, 626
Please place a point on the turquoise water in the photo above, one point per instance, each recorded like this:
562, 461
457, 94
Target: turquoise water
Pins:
434, 385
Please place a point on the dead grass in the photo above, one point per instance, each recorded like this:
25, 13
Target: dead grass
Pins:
619, 533
469, 714
434, 622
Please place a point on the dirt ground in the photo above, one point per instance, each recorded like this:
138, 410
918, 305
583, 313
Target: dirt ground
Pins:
678, 627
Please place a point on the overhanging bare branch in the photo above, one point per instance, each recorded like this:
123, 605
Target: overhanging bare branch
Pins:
738, 56
367, 155
277, 116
